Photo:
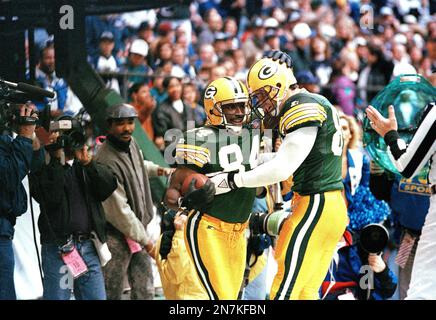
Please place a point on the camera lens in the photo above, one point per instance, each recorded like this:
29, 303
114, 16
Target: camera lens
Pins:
77, 139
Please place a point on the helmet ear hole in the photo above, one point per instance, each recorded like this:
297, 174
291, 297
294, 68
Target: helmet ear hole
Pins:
278, 85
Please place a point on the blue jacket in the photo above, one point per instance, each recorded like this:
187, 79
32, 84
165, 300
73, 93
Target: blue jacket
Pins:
410, 199
15, 162
346, 271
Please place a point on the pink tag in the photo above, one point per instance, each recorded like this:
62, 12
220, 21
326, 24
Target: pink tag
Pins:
133, 245
75, 263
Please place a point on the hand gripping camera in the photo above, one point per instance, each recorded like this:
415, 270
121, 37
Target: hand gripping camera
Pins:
72, 135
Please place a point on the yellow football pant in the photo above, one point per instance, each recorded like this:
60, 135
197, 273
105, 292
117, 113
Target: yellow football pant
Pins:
218, 250
306, 244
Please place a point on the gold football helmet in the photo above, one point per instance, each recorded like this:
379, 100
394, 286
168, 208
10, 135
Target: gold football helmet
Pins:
222, 93
268, 82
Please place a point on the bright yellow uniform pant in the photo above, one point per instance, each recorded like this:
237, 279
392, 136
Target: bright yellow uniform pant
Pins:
306, 244
218, 250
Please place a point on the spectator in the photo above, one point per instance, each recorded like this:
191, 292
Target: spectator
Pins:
164, 51
16, 157
182, 40
158, 91
362, 52
106, 62
345, 274
128, 210
191, 98
144, 104
70, 189
96, 25
178, 275
399, 54
207, 57
181, 65
136, 62
343, 87
240, 64
344, 33
172, 113
255, 41
321, 63
214, 23
145, 32
416, 58
217, 72
65, 101
272, 40
307, 80
220, 44
229, 64
301, 55
231, 29
375, 75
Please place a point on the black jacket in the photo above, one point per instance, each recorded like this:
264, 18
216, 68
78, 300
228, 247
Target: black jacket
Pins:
379, 76
48, 187
165, 117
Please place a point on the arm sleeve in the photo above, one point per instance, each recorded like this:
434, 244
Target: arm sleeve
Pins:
15, 166
266, 156
151, 168
385, 283
102, 181
410, 159
289, 157
120, 215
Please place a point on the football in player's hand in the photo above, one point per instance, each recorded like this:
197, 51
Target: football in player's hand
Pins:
200, 180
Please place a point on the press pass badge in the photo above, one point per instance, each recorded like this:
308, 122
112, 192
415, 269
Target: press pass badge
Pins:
74, 263
133, 245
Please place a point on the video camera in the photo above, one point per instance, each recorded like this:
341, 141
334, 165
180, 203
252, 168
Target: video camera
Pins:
12, 96
72, 135
374, 238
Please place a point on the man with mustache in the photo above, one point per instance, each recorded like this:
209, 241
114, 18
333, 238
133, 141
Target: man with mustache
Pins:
128, 210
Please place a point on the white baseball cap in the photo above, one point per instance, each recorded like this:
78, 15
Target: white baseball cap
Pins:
410, 19
271, 23
139, 46
386, 11
301, 31
400, 38
403, 68
327, 30
360, 41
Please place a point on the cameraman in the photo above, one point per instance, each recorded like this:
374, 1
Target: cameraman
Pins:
16, 156
70, 189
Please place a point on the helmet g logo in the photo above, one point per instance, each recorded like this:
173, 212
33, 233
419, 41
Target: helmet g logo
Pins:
267, 71
210, 92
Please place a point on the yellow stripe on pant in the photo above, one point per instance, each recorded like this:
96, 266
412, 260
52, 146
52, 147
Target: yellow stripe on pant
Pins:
306, 244
218, 250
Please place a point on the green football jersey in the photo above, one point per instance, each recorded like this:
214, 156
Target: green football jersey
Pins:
321, 170
212, 150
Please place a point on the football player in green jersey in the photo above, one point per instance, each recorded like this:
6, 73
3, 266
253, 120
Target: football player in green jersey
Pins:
311, 151
215, 232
